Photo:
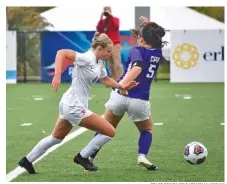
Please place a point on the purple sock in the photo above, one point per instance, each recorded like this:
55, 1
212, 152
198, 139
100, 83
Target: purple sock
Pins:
145, 141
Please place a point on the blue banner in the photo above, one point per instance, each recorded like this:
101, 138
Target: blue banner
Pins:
79, 41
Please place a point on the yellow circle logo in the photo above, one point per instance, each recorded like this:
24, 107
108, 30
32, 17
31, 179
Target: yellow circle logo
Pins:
185, 56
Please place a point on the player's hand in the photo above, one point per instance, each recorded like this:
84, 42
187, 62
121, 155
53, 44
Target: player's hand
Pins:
56, 83
128, 86
144, 20
123, 92
124, 88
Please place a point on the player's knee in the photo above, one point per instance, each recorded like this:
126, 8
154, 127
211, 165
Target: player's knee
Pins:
111, 132
58, 136
146, 128
55, 139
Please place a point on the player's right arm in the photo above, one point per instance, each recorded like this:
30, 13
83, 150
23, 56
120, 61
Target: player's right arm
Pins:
59, 59
136, 67
132, 75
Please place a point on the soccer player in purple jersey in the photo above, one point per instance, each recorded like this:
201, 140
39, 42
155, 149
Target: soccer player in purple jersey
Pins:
141, 66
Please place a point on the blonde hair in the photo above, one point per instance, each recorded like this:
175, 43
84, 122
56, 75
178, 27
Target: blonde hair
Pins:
101, 40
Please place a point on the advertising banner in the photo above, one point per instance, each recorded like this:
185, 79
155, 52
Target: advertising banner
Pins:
197, 56
79, 41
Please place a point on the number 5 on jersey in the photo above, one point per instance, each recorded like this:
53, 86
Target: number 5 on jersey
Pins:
153, 64
151, 71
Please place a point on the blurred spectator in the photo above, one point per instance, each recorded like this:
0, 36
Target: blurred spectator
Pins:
110, 26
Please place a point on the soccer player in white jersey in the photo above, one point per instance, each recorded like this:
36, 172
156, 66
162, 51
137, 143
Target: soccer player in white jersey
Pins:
141, 66
73, 107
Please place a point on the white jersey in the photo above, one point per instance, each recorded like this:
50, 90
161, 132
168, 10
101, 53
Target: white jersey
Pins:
87, 70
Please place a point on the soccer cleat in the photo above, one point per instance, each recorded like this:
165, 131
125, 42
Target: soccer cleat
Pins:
142, 161
91, 159
27, 165
78, 159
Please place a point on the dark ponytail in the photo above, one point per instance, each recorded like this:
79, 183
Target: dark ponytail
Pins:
152, 34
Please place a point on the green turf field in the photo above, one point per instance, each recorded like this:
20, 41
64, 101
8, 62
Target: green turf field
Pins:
198, 118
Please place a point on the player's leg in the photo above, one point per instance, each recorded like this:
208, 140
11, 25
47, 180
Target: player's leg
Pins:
97, 123
115, 109
116, 56
139, 113
106, 132
144, 143
61, 129
112, 119
145, 139
113, 114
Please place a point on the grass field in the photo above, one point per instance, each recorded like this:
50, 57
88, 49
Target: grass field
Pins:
198, 118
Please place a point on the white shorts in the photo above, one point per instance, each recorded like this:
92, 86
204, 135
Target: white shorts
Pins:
137, 109
74, 114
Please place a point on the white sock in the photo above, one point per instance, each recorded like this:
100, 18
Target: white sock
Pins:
142, 155
42, 147
97, 142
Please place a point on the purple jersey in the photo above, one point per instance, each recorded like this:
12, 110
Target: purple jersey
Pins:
148, 59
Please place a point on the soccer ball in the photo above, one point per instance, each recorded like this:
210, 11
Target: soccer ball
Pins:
195, 153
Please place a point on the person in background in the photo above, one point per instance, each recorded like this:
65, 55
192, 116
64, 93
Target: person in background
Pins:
110, 26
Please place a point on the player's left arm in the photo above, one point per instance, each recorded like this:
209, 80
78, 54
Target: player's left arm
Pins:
109, 82
132, 74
